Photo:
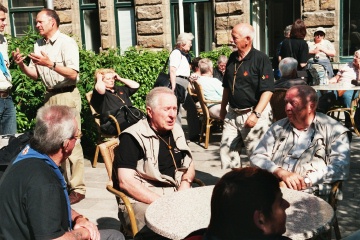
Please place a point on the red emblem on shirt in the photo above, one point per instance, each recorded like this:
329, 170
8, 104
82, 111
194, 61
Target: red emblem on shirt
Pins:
246, 73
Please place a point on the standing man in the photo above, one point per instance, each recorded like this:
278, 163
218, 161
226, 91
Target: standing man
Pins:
56, 61
7, 108
248, 84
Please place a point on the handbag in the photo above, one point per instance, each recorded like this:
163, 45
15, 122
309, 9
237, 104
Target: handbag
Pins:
128, 114
163, 80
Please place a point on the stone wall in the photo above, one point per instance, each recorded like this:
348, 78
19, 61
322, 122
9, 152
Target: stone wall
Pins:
69, 22
107, 24
152, 20
228, 14
322, 13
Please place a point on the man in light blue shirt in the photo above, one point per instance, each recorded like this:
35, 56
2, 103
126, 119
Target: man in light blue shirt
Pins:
211, 86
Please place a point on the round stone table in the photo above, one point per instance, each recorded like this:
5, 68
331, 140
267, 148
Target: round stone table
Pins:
177, 215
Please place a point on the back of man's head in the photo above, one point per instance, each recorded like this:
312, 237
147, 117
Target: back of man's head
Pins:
288, 67
54, 124
205, 66
236, 197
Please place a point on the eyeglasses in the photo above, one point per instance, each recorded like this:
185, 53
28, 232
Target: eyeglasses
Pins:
319, 34
77, 135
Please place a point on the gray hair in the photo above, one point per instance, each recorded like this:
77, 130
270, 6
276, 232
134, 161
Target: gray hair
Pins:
205, 65
287, 30
54, 124
222, 59
183, 38
245, 30
152, 98
307, 94
287, 66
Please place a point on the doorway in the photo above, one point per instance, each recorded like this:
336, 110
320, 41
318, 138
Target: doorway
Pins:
269, 18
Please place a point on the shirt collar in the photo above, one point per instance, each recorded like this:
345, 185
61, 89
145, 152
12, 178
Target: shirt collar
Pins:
53, 38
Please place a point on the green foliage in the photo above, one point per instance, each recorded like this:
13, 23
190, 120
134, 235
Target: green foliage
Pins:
142, 66
214, 55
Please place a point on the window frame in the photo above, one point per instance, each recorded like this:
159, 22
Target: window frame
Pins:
83, 7
173, 3
342, 58
28, 10
125, 4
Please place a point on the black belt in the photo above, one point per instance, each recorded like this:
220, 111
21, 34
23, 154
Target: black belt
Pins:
183, 77
5, 93
242, 111
61, 90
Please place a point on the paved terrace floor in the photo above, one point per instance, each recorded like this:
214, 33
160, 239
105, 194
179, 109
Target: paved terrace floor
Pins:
100, 205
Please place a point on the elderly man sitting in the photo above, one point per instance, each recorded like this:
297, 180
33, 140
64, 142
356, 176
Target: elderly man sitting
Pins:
153, 157
34, 203
212, 87
306, 148
288, 70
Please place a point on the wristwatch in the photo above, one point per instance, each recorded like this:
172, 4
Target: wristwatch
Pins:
307, 181
257, 114
53, 66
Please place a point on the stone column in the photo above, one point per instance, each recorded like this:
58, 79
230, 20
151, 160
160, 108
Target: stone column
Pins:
107, 24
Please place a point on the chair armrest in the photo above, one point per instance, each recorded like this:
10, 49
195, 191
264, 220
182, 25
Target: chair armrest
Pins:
116, 123
212, 101
128, 206
198, 182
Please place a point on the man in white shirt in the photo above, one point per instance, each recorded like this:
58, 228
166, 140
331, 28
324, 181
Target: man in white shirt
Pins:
306, 148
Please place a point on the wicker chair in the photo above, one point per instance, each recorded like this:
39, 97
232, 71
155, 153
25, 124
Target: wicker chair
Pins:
107, 153
207, 120
101, 136
278, 104
332, 200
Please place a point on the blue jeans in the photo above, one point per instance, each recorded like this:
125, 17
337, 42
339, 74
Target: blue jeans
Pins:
7, 116
346, 99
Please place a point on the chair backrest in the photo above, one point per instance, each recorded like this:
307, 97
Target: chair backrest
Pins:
191, 90
93, 112
277, 103
97, 120
107, 153
202, 100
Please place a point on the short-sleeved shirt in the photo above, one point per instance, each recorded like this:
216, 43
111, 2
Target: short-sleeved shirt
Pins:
299, 47
324, 43
129, 152
181, 63
5, 83
109, 101
32, 202
254, 76
62, 50
347, 73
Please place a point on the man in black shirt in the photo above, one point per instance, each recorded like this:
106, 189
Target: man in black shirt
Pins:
248, 84
34, 203
153, 158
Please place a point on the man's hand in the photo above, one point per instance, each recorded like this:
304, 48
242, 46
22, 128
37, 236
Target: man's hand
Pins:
91, 227
290, 179
251, 121
18, 57
42, 60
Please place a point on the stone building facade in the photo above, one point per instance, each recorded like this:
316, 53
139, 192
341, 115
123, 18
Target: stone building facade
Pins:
153, 20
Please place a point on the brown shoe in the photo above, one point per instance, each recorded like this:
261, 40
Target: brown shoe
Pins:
75, 197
